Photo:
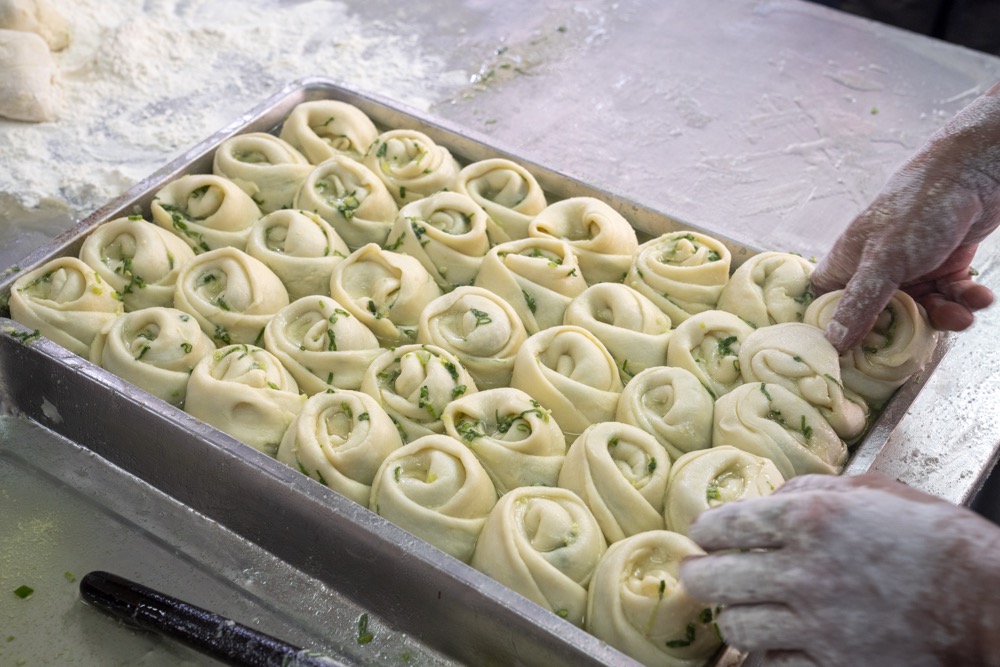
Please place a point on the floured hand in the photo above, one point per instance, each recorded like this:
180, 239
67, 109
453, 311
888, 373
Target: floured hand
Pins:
851, 571
921, 232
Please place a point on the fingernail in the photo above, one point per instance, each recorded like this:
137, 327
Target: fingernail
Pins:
836, 333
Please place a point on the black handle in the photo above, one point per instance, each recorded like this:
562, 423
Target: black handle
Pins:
214, 635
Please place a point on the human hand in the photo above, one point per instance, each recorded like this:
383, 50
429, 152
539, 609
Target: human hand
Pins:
851, 571
921, 232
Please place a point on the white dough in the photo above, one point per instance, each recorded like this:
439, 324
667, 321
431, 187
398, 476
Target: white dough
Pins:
263, 166
37, 16
671, 404
435, 488
340, 439
66, 301
544, 544
411, 165
620, 472
708, 345
708, 478
769, 288
508, 193
898, 346
139, 259
244, 391
321, 129
27, 78
515, 438
205, 210
637, 603
154, 348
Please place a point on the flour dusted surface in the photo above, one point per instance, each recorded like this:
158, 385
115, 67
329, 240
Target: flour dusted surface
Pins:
143, 81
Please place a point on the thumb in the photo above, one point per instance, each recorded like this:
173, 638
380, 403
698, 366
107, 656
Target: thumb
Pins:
867, 293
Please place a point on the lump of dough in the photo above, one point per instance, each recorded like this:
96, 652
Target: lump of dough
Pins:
37, 16
27, 74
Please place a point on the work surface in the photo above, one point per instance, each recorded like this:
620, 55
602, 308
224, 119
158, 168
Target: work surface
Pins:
771, 122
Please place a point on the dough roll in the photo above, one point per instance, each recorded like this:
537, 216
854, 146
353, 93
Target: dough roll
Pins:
513, 436
155, 349
508, 192
633, 329
140, 260
244, 391
415, 383
264, 166
447, 233
411, 165
351, 198
300, 247
321, 344
769, 288
322, 129
206, 211
898, 346
66, 301
799, 358
232, 295
620, 472
538, 277
683, 273
386, 291
479, 328
571, 373
637, 603
672, 405
708, 478
340, 439
544, 544
436, 489
708, 345
770, 421
603, 240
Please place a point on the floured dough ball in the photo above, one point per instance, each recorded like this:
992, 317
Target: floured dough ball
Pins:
37, 16
27, 76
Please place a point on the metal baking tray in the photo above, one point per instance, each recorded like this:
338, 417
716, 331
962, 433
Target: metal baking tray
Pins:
353, 560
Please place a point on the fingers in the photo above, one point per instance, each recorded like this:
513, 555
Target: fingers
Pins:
739, 577
761, 627
758, 523
945, 315
866, 294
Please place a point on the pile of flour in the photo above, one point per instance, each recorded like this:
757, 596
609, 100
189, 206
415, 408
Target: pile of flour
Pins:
143, 81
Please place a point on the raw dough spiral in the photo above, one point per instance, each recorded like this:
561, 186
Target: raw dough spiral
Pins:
321, 129
708, 345
340, 439
206, 211
898, 346
141, 261
637, 603
351, 198
479, 328
66, 301
244, 391
537, 276
321, 344
672, 405
155, 349
603, 240
513, 436
571, 373
707, 478
620, 472
770, 421
435, 488
769, 288
411, 165
544, 544
415, 383
508, 193
265, 167
633, 329
681, 272
300, 247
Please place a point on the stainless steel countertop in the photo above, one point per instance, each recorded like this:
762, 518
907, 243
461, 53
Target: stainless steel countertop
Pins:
771, 121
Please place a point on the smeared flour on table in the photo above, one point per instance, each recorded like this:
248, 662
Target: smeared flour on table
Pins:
143, 81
